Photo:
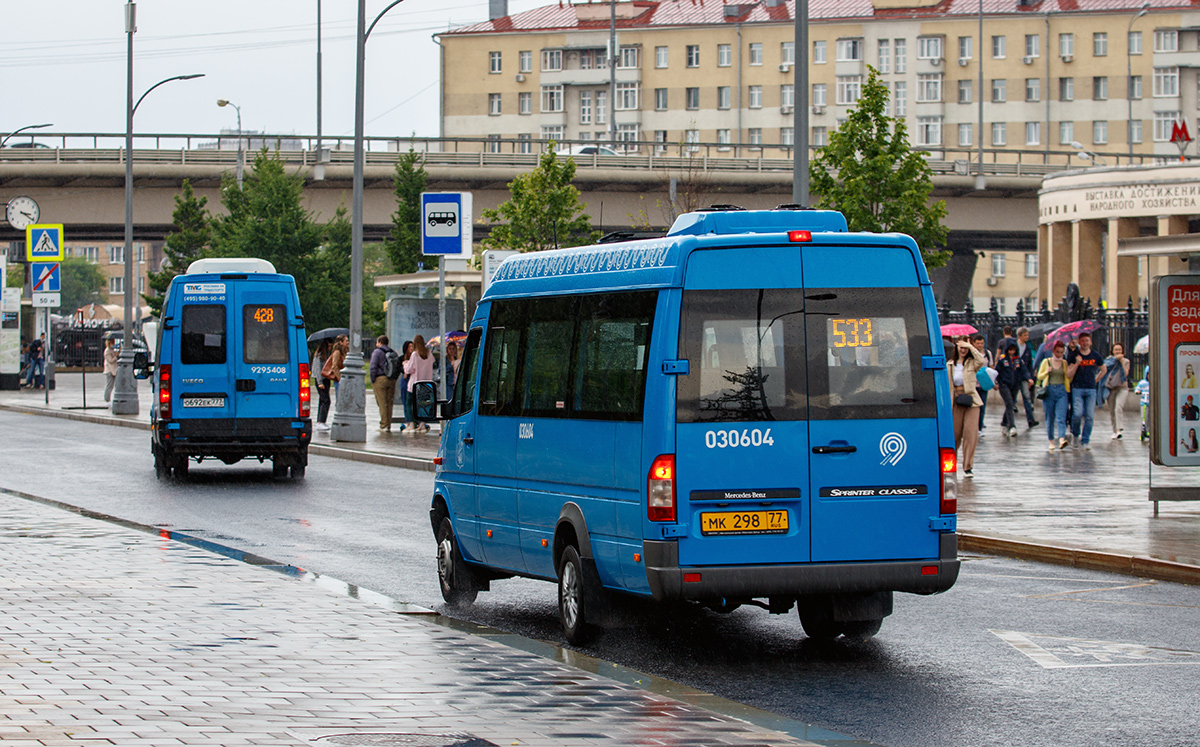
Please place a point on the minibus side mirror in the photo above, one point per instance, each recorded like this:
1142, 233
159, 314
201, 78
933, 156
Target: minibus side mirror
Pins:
425, 404
141, 366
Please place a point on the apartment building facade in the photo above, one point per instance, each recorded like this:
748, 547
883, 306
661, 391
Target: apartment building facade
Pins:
1108, 77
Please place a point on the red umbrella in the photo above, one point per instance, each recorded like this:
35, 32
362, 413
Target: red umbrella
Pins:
957, 330
1069, 332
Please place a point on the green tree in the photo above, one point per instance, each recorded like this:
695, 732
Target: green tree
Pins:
328, 296
186, 242
544, 210
82, 283
403, 245
871, 175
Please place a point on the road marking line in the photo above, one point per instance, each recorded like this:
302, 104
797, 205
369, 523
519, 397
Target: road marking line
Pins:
1058, 652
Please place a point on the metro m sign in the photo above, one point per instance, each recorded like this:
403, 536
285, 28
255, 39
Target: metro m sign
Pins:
1180, 136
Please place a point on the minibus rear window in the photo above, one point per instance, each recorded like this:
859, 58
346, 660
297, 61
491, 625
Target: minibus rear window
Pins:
264, 333
202, 334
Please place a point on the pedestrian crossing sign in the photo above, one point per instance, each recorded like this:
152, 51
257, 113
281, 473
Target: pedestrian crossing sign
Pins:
44, 242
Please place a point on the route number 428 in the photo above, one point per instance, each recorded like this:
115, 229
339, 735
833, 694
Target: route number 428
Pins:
734, 438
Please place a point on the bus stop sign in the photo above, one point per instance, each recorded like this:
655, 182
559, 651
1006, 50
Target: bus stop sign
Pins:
446, 227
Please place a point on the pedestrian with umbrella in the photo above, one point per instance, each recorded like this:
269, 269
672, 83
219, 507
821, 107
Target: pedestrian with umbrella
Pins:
1088, 367
324, 348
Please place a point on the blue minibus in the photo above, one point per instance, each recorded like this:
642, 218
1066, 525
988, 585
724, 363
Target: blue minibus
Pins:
753, 409
231, 376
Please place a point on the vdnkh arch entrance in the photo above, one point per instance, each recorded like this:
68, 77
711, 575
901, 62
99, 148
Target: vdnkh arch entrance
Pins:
1082, 214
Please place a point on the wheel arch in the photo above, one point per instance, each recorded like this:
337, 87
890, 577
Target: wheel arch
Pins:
571, 529
438, 510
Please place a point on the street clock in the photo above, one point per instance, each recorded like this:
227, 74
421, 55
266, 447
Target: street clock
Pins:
22, 212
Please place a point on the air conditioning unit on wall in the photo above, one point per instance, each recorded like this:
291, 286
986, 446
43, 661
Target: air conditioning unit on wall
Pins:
993, 281
520, 78
1028, 59
962, 61
1068, 58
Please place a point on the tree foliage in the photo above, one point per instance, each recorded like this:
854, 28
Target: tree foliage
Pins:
187, 242
82, 283
871, 175
543, 212
404, 242
326, 302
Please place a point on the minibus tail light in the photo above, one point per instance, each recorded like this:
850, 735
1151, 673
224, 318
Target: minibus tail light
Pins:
949, 460
164, 391
803, 236
305, 391
660, 489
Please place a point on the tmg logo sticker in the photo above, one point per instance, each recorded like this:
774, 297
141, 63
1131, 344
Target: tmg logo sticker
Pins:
892, 446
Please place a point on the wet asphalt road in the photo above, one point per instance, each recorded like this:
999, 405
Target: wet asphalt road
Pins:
1015, 653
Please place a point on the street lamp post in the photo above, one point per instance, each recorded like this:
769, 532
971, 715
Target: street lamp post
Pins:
1129, 77
19, 130
349, 414
125, 399
226, 102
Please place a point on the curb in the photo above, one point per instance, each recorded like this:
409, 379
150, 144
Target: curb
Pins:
337, 452
1095, 560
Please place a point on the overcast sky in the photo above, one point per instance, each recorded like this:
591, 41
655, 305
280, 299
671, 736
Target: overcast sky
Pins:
63, 61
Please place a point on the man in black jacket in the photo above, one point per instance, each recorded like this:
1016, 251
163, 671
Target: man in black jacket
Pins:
1025, 353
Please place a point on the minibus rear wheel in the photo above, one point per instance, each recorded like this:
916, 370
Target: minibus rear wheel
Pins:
572, 597
452, 569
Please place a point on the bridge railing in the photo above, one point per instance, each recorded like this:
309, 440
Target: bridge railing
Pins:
221, 149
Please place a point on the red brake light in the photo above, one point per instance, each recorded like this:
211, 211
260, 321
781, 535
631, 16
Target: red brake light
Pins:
305, 391
660, 489
949, 502
799, 235
949, 460
164, 391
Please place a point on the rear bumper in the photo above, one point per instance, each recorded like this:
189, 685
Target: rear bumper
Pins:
666, 577
250, 437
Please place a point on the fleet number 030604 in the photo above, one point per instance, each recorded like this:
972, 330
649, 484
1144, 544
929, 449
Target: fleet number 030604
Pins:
734, 438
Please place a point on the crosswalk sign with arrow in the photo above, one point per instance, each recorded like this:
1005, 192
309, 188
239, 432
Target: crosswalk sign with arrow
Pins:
44, 242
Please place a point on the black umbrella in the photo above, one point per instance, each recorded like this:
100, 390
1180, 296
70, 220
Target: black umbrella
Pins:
1038, 331
328, 333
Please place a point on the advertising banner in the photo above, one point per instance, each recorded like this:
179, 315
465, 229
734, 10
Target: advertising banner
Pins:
1175, 370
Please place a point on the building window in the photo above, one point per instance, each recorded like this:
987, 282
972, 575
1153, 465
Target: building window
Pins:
756, 53
585, 107
525, 61
90, 253
1100, 88
966, 91
929, 130
1066, 133
602, 106
965, 131
756, 136
1100, 132
1033, 133
820, 53
724, 55
724, 97
787, 136
1135, 87
628, 134
141, 254
552, 98
999, 90
1066, 45
551, 60
999, 133
849, 50
998, 261
692, 138
494, 62
585, 136
1100, 44
660, 141
524, 103
818, 94
787, 53
998, 46
929, 47
693, 55
1135, 42
627, 96
724, 139
1066, 89
116, 254
630, 58
755, 97
660, 57
1166, 82
885, 56
691, 98
1135, 131
1033, 89
552, 132
1166, 40
849, 88
966, 47
493, 143
901, 97
900, 46
1031, 264
660, 99
787, 95
493, 104
524, 144
929, 87
820, 137
116, 284
1033, 45
141, 284
1164, 123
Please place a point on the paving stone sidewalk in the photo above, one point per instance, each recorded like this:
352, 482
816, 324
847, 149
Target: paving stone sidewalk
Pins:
112, 636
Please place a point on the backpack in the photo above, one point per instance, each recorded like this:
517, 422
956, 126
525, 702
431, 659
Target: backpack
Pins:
392, 365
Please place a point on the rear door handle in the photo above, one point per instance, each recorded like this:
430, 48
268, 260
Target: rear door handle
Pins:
834, 449
244, 385
468, 440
